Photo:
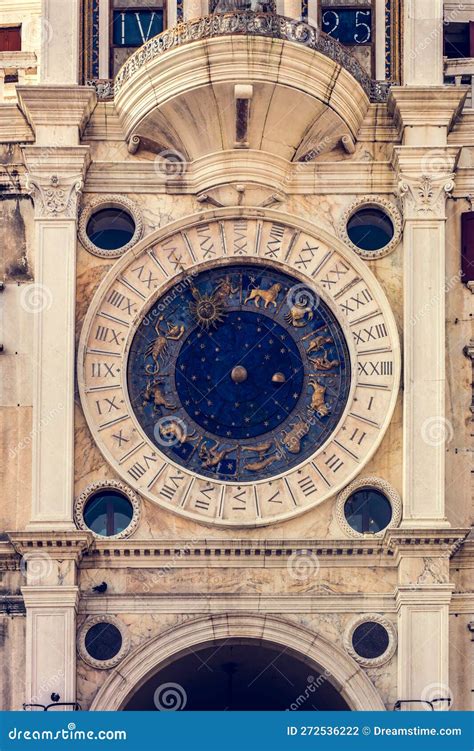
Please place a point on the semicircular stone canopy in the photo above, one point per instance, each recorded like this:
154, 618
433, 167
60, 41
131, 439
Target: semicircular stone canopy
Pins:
183, 95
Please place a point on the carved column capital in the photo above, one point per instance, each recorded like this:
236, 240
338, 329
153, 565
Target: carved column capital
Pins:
55, 179
55, 197
424, 197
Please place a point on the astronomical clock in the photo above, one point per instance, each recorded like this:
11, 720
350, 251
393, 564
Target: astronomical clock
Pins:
239, 367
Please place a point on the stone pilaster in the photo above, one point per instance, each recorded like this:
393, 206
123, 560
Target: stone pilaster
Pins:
423, 42
60, 49
54, 179
49, 564
425, 176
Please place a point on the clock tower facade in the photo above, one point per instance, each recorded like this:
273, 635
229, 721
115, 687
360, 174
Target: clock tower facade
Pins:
237, 402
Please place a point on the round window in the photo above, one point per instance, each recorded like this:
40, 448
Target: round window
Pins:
368, 511
110, 228
103, 641
108, 512
370, 229
370, 640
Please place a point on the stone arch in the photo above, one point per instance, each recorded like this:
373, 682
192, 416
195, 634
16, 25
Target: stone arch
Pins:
342, 671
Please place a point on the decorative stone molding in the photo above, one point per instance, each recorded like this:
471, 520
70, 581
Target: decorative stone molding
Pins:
55, 197
354, 685
425, 196
392, 640
369, 482
378, 202
62, 545
81, 642
81, 501
248, 23
108, 202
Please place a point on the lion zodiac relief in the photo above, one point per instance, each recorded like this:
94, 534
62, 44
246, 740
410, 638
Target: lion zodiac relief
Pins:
269, 296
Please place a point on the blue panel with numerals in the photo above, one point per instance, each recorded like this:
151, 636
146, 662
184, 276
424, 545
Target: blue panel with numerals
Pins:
239, 373
132, 28
348, 25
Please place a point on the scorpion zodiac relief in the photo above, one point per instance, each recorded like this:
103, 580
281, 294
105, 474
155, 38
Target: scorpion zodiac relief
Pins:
238, 377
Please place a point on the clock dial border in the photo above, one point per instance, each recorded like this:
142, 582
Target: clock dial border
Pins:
142, 275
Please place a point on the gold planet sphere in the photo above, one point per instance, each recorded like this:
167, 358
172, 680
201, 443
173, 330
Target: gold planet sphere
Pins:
238, 374
278, 378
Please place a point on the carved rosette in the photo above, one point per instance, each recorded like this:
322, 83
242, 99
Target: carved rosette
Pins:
55, 197
424, 197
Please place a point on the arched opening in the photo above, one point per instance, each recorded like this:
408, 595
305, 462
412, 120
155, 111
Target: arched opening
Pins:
233, 675
319, 657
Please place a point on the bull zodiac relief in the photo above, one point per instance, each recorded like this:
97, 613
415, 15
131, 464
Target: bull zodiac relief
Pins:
158, 350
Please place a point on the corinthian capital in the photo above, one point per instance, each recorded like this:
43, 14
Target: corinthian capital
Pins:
55, 178
55, 197
425, 196
425, 177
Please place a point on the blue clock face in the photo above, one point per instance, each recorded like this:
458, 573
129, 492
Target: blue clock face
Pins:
239, 373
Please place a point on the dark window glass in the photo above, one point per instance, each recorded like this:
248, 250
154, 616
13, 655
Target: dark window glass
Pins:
368, 510
370, 640
110, 229
132, 28
370, 229
456, 40
108, 512
103, 641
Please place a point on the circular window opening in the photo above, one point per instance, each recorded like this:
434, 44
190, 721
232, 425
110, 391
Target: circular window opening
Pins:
110, 229
370, 229
103, 641
108, 513
370, 640
368, 511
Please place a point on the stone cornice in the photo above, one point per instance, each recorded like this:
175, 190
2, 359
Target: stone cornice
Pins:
53, 106
421, 595
56, 598
341, 177
60, 545
436, 106
415, 543
315, 602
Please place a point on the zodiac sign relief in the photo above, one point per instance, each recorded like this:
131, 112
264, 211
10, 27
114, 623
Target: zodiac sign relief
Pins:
323, 363
209, 309
293, 438
211, 456
299, 315
317, 343
264, 459
158, 350
154, 394
269, 296
318, 403
176, 430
